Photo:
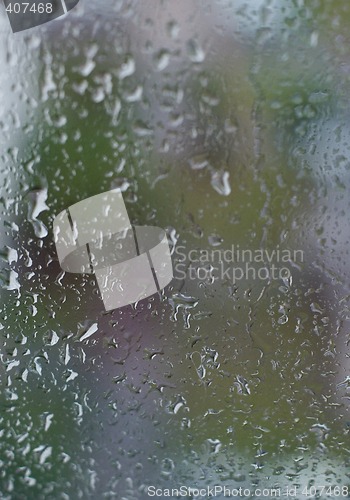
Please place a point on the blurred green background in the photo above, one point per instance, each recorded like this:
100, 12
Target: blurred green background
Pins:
225, 122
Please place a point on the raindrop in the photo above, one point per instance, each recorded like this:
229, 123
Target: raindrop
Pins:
93, 329
37, 205
195, 51
220, 182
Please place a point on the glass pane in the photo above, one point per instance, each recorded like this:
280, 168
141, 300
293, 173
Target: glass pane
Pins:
224, 123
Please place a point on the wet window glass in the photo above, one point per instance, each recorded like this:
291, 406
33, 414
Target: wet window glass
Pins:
214, 361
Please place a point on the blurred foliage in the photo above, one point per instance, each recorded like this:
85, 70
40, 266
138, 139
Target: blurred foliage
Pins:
245, 373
